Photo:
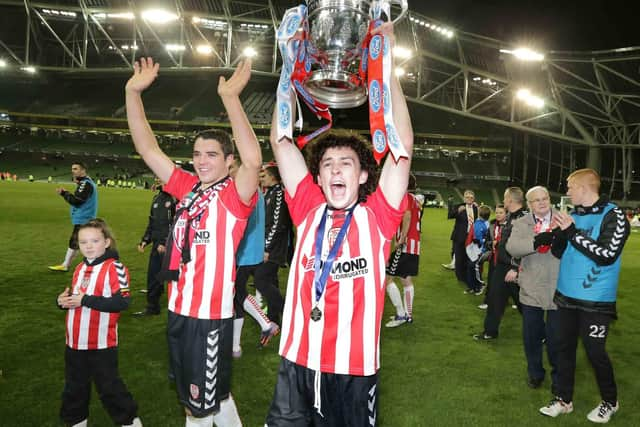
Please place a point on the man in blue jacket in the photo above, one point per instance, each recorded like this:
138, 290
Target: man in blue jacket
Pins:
84, 207
590, 241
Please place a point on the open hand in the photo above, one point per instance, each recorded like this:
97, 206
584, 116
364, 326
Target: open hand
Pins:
237, 81
144, 73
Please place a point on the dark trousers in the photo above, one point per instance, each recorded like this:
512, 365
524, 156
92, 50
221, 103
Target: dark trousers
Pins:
497, 298
101, 366
474, 276
243, 272
593, 328
266, 281
155, 287
536, 333
460, 252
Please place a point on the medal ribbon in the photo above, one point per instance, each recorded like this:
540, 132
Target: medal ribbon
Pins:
321, 270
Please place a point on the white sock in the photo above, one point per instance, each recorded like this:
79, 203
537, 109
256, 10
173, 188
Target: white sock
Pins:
228, 415
135, 423
237, 332
71, 254
258, 297
82, 423
408, 299
394, 296
192, 421
251, 306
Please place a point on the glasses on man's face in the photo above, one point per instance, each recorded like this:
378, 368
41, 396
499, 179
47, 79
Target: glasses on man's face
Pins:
539, 200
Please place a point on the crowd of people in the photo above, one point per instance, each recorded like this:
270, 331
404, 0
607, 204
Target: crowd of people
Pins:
561, 270
357, 228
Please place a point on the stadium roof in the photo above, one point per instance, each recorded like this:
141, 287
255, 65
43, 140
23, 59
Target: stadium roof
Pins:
585, 97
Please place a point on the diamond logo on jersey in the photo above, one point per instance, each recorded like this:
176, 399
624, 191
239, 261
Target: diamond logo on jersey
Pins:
195, 391
349, 269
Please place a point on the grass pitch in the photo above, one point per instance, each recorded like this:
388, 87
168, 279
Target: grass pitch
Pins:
433, 373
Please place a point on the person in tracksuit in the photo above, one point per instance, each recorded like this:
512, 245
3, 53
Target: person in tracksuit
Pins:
590, 241
163, 208
84, 207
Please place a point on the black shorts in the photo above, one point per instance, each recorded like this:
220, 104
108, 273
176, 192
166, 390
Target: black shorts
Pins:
200, 361
73, 240
402, 264
344, 399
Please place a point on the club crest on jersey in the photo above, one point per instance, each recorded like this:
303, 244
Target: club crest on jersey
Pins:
194, 390
178, 233
84, 284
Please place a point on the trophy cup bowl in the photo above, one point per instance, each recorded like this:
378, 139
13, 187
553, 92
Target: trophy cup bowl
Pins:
337, 29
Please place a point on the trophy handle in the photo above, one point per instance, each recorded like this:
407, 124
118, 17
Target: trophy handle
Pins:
403, 5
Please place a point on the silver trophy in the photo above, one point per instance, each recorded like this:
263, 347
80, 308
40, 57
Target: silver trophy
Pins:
337, 29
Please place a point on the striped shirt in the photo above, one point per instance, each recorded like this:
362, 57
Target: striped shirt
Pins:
413, 233
205, 286
89, 329
346, 339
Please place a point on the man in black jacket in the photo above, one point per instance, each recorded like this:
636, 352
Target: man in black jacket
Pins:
464, 214
276, 244
505, 273
163, 208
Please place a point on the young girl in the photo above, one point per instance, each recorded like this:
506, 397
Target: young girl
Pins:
99, 291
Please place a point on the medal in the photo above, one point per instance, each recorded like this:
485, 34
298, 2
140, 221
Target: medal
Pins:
316, 314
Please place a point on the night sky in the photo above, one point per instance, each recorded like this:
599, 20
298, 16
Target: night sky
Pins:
549, 25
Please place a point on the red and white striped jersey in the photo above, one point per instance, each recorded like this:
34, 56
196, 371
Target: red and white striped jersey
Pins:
205, 286
412, 245
89, 329
346, 340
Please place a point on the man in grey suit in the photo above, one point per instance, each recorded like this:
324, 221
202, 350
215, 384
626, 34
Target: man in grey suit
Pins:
530, 240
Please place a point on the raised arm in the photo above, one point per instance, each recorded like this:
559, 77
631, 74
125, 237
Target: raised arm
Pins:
144, 73
290, 160
245, 139
395, 176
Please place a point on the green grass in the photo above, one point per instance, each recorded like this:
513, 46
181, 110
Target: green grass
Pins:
433, 373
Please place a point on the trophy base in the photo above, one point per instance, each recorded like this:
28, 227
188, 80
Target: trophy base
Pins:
337, 89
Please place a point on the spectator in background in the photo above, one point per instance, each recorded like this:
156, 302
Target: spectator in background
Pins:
464, 214
590, 241
84, 207
505, 272
475, 251
530, 241
495, 232
249, 256
163, 208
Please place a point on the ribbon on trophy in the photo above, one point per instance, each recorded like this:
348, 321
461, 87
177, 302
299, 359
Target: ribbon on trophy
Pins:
375, 69
375, 72
294, 48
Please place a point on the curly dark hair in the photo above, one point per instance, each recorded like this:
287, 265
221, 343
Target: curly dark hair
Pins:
343, 138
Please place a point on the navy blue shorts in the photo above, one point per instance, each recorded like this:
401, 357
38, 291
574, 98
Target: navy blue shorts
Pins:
200, 361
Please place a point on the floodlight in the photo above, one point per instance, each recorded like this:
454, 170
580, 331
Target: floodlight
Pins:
402, 52
29, 69
204, 49
399, 71
528, 98
3, 63
125, 15
249, 52
524, 54
171, 47
159, 16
